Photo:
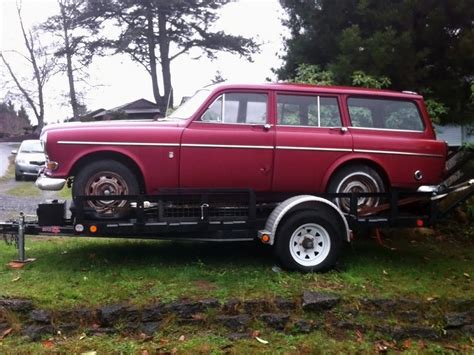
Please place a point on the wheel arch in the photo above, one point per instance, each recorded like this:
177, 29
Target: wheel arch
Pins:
371, 163
110, 155
304, 202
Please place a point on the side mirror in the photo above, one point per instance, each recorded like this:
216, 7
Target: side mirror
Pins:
14, 152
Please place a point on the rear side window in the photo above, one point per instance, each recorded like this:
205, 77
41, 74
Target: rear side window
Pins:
245, 108
303, 110
385, 114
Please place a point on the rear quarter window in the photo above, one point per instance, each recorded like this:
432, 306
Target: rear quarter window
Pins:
385, 114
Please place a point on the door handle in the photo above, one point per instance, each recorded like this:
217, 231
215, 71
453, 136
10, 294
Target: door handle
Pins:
267, 126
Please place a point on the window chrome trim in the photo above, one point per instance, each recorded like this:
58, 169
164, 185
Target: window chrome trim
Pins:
397, 153
231, 146
120, 143
387, 129
233, 123
283, 147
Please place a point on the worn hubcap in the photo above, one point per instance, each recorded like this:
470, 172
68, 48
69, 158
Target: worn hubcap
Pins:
354, 183
106, 183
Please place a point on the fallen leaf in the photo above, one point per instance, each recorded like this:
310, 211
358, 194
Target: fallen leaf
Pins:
452, 347
407, 344
5, 333
255, 333
181, 338
48, 344
16, 278
92, 352
360, 337
144, 352
385, 272
260, 340
83, 335
467, 275
174, 351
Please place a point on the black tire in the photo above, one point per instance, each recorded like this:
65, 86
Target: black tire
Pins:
356, 178
18, 177
106, 177
323, 240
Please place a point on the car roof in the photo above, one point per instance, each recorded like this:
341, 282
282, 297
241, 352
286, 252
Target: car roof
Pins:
300, 87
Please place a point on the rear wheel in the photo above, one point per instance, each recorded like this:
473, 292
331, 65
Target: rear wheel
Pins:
105, 178
308, 241
356, 178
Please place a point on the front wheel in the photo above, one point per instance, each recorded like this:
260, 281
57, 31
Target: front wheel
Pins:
308, 241
105, 178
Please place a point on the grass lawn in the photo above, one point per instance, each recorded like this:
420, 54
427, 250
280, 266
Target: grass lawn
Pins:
91, 272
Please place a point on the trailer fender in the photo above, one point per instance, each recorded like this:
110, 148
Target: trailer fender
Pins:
302, 201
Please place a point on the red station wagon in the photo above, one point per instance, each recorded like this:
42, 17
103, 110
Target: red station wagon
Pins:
272, 138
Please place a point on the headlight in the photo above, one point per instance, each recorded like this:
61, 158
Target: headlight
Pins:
43, 140
21, 161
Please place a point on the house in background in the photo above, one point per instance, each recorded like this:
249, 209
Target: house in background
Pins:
140, 109
455, 135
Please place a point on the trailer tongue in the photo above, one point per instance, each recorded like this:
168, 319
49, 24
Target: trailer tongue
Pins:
307, 231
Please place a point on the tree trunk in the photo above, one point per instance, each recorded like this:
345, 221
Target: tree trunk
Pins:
70, 74
165, 61
152, 55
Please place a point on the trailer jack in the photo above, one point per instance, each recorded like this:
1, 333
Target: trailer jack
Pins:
19, 239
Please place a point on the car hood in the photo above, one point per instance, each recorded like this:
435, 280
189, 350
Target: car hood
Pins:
113, 124
31, 156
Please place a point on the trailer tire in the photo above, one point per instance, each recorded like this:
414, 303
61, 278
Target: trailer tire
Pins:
106, 177
308, 241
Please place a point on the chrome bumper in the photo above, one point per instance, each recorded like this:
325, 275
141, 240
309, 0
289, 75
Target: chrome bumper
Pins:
49, 184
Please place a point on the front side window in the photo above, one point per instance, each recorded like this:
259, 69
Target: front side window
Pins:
304, 110
385, 114
245, 108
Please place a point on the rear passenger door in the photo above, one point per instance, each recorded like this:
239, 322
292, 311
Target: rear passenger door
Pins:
310, 137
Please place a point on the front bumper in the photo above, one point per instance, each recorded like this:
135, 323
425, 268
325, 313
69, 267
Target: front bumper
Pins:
46, 183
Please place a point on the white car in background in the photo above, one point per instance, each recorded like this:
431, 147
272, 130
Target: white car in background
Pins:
29, 159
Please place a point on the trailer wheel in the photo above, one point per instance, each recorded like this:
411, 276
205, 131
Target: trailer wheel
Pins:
308, 241
103, 178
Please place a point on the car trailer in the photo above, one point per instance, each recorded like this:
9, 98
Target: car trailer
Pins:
306, 231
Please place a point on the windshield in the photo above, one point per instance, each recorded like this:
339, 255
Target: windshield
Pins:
31, 147
190, 106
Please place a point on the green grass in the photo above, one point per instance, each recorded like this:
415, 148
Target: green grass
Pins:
85, 271
10, 173
24, 189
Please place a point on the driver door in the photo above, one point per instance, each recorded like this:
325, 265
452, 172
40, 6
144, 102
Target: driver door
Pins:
231, 145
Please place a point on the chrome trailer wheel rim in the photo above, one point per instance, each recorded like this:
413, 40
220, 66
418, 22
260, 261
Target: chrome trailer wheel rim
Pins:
310, 244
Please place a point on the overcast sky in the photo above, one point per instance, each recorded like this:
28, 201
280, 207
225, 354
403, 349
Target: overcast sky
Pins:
116, 80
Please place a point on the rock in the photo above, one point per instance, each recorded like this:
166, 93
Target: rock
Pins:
109, 315
462, 304
185, 309
81, 315
318, 301
283, 304
303, 326
150, 328
468, 330
152, 313
68, 328
232, 306
40, 316
415, 332
100, 331
379, 303
410, 316
16, 305
254, 306
36, 332
349, 325
235, 323
457, 319
274, 320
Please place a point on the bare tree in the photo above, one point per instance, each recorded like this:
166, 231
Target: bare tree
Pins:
42, 66
75, 32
